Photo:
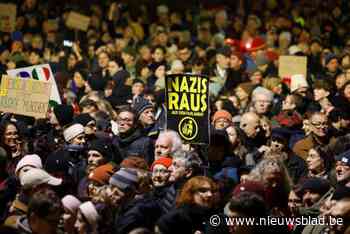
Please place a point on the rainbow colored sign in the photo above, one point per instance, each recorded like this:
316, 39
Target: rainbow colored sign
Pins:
41, 72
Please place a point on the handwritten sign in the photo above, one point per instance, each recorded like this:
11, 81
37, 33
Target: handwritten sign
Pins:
24, 96
292, 65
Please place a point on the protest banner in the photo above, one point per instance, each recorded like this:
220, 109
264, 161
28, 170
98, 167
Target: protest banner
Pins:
24, 96
39, 72
291, 65
7, 17
78, 21
187, 103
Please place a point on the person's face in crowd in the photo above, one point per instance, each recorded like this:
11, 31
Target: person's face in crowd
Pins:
163, 147
162, 38
347, 92
333, 65
160, 175
113, 68
160, 72
94, 159
11, 136
272, 175
145, 72
127, 58
147, 117
251, 127
44, 225
222, 61
103, 60
315, 48
34, 58
256, 78
232, 134
342, 171
221, 123
115, 195
294, 202
69, 219
204, 195
241, 94
79, 80
340, 209
158, 55
345, 62
94, 191
184, 54
125, 122
235, 62
341, 79
178, 170
262, 104
319, 125
80, 225
276, 146
314, 161
145, 53
310, 198
151, 98
266, 126
79, 140
72, 61
320, 94
137, 89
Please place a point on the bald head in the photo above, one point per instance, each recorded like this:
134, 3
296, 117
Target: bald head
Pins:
250, 124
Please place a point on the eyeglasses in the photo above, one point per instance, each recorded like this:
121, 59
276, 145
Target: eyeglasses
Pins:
319, 125
160, 171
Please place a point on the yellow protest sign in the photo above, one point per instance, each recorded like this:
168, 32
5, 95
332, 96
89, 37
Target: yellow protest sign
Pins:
78, 21
7, 17
24, 96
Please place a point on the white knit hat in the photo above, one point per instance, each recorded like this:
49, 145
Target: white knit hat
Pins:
298, 81
36, 176
89, 212
32, 160
73, 131
71, 203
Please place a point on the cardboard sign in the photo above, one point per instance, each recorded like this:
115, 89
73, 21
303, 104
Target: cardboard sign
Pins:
292, 65
7, 17
187, 102
78, 21
39, 72
24, 96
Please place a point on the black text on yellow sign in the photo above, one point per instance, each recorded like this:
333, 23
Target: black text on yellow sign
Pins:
187, 94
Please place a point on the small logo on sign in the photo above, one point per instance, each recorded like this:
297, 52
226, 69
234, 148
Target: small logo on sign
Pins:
188, 128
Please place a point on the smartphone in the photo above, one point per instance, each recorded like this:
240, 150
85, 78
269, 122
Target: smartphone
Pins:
67, 43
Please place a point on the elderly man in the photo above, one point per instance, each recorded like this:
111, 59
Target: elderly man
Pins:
262, 99
342, 168
168, 143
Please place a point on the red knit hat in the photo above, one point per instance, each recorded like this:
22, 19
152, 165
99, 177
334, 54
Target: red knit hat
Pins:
250, 186
222, 114
102, 173
165, 161
256, 44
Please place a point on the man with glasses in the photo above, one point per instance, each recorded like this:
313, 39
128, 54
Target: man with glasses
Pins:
262, 100
130, 141
342, 168
318, 127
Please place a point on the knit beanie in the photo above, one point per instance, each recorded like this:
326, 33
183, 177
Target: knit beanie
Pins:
83, 119
316, 185
140, 105
73, 131
298, 81
329, 57
222, 114
29, 160
64, 114
71, 203
134, 162
89, 212
102, 174
165, 161
125, 179
104, 147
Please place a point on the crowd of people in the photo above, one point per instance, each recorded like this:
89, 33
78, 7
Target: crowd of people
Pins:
103, 162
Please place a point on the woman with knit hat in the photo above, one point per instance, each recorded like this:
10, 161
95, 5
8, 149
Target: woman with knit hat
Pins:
87, 219
70, 206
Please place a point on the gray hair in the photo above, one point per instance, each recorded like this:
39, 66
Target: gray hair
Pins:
191, 159
262, 91
175, 139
